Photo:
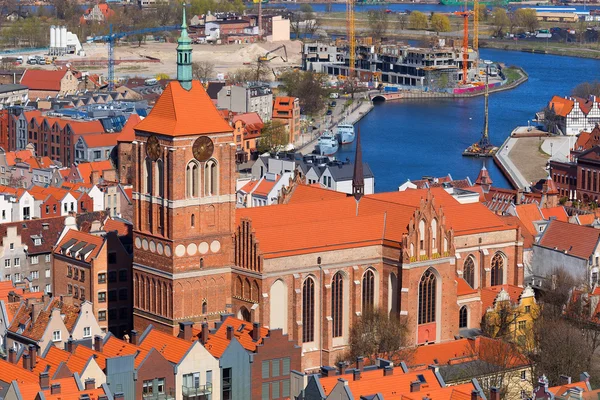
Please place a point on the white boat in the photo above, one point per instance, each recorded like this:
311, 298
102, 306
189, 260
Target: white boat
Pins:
328, 144
345, 133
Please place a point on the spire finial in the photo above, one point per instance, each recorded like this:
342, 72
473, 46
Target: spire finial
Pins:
184, 23
358, 178
184, 56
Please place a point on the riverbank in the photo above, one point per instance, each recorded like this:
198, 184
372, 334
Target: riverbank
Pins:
353, 116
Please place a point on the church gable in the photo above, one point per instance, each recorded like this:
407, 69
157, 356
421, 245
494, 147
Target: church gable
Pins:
427, 237
247, 252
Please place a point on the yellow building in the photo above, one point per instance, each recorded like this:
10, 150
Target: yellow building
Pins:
508, 312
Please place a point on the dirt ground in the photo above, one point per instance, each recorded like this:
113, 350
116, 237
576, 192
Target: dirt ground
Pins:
226, 58
528, 158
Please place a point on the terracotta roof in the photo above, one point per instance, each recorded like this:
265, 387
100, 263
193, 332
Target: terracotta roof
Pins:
265, 186
180, 112
559, 212
285, 104
35, 330
14, 372
242, 330
127, 134
489, 294
82, 241
455, 392
575, 240
528, 238
308, 193
101, 139
23, 155
586, 219
528, 213
562, 107
120, 227
46, 229
463, 288
114, 347
251, 118
390, 386
83, 127
171, 347
560, 390
85, 169
84, 352
40, 79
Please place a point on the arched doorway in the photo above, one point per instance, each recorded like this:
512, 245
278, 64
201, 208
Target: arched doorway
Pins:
244, 314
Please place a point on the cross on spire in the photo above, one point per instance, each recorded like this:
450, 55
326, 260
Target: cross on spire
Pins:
358, 178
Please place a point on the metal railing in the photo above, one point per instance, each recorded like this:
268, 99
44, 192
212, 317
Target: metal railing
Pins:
200, 392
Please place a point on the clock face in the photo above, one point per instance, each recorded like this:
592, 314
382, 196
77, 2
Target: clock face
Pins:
153, 148
203, 148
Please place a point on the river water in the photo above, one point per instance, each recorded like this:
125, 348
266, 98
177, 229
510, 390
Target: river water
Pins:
411, 139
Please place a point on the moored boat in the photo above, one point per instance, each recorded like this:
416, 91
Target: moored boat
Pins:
327, 144
345, 133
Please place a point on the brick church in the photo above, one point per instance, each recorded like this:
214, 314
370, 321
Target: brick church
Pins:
309, 266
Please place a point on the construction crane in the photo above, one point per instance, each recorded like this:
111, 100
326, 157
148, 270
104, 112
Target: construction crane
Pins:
465, 46
111, 38
476, 33
351, 36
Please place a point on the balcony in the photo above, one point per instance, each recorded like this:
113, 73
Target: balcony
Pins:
169, 395
202, 392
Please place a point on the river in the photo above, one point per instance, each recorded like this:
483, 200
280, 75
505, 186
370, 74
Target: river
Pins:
411, 139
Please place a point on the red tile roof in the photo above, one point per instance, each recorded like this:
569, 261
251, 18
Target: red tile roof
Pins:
575, 240
528, 213
463, 288
489, 294
562, 107
559, 212
23, 155
242, 331
172, 348
120, 227
86, 169
528, 238
40, 79
115, 347
586, 219
77, 237
177, 112
127, 134
101, 139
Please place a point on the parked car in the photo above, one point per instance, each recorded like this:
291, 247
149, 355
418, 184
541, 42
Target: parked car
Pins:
329, 112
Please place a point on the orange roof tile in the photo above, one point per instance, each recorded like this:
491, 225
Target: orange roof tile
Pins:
40, 79
14, 372
265, 186
489, 294
180, 112
12, 156
100, 139
81, 237
307, 193
463, 287
84, 352
171, 347
242, 330
559, 212
562, 107
528, 238
586, 219
528, 213
249, 186
575, 240
85, 169
120, 227
560, 390
115, 347
127, 134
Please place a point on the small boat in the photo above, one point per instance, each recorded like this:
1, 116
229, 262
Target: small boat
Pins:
328, 144
345, 133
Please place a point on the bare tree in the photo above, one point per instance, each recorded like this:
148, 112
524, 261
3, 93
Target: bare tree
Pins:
586, 89
273, 136
203, 70
378, 21
403, 20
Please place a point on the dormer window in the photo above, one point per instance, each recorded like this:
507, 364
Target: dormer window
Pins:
37, 241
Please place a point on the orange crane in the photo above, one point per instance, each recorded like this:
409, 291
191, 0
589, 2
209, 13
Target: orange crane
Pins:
351, 36
476, 33
465, 45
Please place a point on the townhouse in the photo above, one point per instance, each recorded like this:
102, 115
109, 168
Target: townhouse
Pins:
97, 268
92, 172
95, 147
287, 111
264, 191
11, 296
43, 83
247, 128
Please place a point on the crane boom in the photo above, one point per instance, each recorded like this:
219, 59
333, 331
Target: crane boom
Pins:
112, 37
476, 34
351, 36
465, 45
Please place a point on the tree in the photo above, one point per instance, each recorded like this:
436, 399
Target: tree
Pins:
500, 21
308, 86
417, 20
203, 70
274, 136
440, 23
552, 122
403, 20
378, 22
587, 89
303, 22
527, 18
379, 334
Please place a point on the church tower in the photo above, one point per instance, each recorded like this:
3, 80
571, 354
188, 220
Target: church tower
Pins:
184, 202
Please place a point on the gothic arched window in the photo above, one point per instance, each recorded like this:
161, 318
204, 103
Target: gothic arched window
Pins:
469, 271
204, 307
160, 178
434, 229
211, 178
368, 290
421, 235
193, 220
148, 175
191, 179
427, 297
497, 275
463, 317
337, 304
308, 310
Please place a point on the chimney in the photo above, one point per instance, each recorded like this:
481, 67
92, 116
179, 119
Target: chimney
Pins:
134, 337
185, 330
256, 331
494, 393
69, 345
55, 388
36, 308
229, 332
565, 380
44, 380
360, 363
98, 344
327, 371
474, 395
415, 386
356, 375
119, 396
90, 384
388, 371
341, 366
33, 355
204, 337
12, 356
26, 362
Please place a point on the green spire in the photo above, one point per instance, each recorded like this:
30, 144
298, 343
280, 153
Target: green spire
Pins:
184, 56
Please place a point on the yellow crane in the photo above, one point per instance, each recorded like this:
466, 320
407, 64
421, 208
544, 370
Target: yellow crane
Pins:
476, 34
351, 37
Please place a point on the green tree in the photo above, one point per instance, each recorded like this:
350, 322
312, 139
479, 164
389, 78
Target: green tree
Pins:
417, 20
274, 136
500, 21
440, 23
376, 333
378, 21
308, 86
527, 18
